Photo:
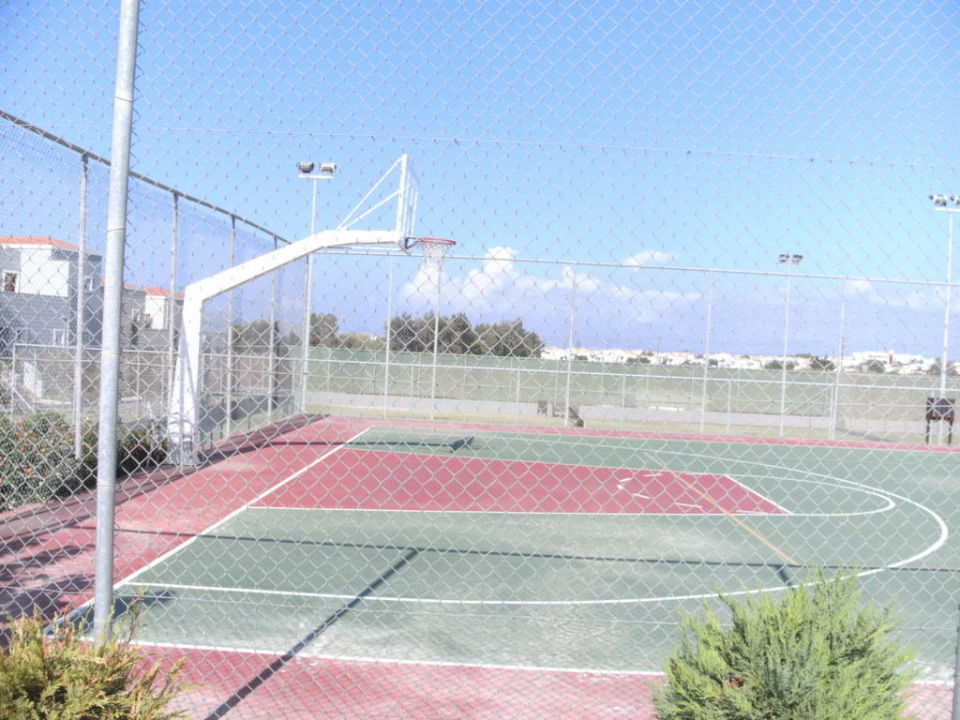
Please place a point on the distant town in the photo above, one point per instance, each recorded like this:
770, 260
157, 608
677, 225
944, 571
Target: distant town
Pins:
877, 361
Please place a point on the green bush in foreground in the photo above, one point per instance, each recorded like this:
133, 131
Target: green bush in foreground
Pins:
64, 677
813, 653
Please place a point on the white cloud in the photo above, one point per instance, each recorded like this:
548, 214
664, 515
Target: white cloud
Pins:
858, 287
922, 300
649, 257
501, 287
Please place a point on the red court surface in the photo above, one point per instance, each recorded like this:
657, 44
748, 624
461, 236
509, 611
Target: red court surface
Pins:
374, 480
247, 686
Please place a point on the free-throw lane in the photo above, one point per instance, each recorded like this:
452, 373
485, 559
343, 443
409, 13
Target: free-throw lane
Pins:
373, 480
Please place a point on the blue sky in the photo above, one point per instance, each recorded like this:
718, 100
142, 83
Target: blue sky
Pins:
548, 139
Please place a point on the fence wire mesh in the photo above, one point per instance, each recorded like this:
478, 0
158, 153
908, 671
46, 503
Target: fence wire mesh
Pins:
696, 334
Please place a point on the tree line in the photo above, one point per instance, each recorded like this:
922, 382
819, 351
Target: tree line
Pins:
454, 334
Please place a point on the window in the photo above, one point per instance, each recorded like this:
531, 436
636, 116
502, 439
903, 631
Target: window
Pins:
90, 283
9, 281
59, 337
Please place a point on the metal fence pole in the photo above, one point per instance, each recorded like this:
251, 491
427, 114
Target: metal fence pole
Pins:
955, 706
706, 357
519, 394
436, 337
80, 318
274, 340
112, 300
171, 304
386, 366
572, 321
838, 370
228, 420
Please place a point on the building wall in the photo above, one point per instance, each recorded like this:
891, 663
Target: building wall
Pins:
40, 307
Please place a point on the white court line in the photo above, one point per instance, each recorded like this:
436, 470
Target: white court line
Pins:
232, 515
759, 495
434, 663
387, 661
621, 485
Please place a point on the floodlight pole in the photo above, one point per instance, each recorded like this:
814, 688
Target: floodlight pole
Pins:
790, 260
706, 356
942, 203
838, 370
326, 172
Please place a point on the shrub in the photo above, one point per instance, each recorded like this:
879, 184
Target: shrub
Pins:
37, 457
814, 653
62, 676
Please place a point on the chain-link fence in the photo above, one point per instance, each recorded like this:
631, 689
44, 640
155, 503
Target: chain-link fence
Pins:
695, 333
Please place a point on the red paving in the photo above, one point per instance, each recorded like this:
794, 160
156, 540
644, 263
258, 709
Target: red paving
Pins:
260, 687
368, 479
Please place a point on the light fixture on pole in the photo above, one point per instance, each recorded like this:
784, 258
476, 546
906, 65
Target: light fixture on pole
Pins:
943, 203
791, 260
310, 171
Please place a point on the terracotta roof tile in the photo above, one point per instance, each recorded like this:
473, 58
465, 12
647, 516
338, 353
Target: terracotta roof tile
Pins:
36, 240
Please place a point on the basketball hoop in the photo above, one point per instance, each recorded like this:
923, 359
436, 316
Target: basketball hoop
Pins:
434, 249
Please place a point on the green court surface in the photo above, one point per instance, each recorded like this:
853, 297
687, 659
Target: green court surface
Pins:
562, 551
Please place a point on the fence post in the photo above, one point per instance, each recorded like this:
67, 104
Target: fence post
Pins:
171, 304
706, 357
113, 296
80, 319
955, 707
386, 360
838, 370
228, 404
572, 321
516, 407
274, 341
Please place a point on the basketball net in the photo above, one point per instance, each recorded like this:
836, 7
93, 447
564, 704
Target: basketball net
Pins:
434, 250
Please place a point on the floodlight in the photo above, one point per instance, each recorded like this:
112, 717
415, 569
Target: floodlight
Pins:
939, 200
796, 259
328, 168
305, 168
955, 199
784, 257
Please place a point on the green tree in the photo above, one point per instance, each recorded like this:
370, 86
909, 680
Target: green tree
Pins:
778, 365
935, 369
457, 335
822, 363
253, 335
360, 341
507, 339
873, 366
405, 333
324, 330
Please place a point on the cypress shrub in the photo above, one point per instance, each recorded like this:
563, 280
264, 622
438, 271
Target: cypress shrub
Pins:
56, 674
814, 652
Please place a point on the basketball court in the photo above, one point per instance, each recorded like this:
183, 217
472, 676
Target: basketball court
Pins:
407, 545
